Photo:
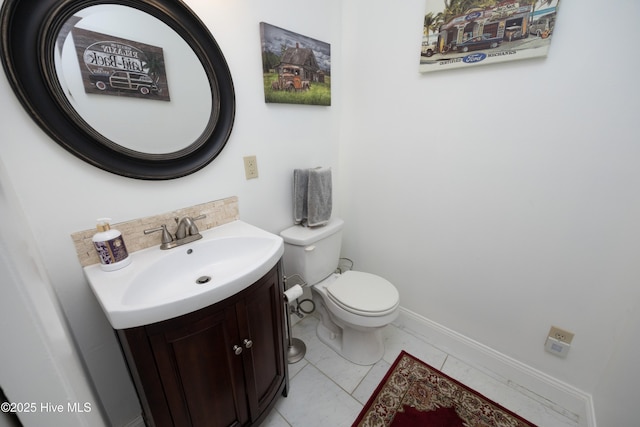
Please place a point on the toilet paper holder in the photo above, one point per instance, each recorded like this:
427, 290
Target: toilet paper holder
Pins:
297, 347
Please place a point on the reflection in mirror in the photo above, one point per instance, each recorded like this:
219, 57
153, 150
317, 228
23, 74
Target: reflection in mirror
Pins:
139, 88
97, 47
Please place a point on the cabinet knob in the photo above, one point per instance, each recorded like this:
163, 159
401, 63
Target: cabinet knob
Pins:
237, 349
248, 343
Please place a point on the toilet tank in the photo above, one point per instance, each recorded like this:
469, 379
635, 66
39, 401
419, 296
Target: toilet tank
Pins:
313, 253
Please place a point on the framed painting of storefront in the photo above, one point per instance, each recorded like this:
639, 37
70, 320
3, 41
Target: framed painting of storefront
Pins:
468, 33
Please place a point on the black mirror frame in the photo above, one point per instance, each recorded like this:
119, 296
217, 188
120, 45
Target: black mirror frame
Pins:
29, 30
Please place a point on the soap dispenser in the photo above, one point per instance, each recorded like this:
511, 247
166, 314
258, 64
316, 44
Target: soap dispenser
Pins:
110, 246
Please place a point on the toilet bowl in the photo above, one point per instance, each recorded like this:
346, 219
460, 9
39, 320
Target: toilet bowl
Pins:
353, 306
351, 320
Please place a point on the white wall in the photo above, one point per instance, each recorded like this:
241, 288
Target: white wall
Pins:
500, 200
38, 362
616, 402
60, 194
503, 199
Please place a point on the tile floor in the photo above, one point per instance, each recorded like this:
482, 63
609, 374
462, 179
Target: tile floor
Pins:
328, 391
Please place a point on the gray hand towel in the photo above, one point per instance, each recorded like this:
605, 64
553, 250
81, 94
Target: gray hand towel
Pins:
319, 198
300, 186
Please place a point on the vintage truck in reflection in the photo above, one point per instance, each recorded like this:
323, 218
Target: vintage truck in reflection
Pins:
124, 80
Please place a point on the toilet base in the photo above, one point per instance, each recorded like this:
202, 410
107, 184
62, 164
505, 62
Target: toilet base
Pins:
359, 346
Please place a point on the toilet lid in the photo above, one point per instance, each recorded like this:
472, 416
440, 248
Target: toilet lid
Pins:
363, 292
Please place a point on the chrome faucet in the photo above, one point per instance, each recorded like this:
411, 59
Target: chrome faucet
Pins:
186, 232
186, 227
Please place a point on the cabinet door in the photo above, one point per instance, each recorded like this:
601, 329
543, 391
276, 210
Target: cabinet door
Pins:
260, 321
202, 375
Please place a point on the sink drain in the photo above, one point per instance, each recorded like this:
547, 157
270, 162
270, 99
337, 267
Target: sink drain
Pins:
203, 279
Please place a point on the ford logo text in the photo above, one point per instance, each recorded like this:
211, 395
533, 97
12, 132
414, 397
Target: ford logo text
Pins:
473, 15
474, 57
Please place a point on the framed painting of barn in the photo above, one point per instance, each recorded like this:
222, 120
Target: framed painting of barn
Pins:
296, 69
468, 33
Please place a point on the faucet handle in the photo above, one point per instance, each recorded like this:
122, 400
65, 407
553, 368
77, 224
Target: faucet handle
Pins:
193, 229
166, 236
187, 227
177, 219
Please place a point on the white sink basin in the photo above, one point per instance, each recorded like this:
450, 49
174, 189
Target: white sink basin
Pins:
162, 284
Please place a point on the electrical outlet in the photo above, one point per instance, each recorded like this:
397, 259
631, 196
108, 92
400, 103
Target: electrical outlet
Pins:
250, 167
560, 335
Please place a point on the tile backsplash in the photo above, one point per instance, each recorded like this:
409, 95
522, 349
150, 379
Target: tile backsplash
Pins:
218, 212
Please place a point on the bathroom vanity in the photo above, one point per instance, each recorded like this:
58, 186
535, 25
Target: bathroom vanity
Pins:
202, 326
222, 365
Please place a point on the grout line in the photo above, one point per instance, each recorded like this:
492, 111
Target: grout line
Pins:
362, 380
330, 379
282, 416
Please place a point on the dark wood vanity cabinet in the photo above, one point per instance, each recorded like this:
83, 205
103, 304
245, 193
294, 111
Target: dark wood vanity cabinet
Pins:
224, 365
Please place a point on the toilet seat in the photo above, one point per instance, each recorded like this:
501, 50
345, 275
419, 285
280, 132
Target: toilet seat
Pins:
364, 294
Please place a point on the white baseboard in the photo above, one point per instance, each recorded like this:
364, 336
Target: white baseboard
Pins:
557, 395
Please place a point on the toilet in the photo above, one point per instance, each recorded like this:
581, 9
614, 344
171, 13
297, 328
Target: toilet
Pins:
353, 306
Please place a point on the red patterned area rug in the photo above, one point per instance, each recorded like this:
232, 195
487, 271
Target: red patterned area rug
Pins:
413, 394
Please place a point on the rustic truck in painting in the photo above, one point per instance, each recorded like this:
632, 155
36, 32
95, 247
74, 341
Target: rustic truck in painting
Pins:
298, 67
291, 78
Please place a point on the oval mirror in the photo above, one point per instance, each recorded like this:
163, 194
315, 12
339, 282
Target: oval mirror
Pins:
136, 87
